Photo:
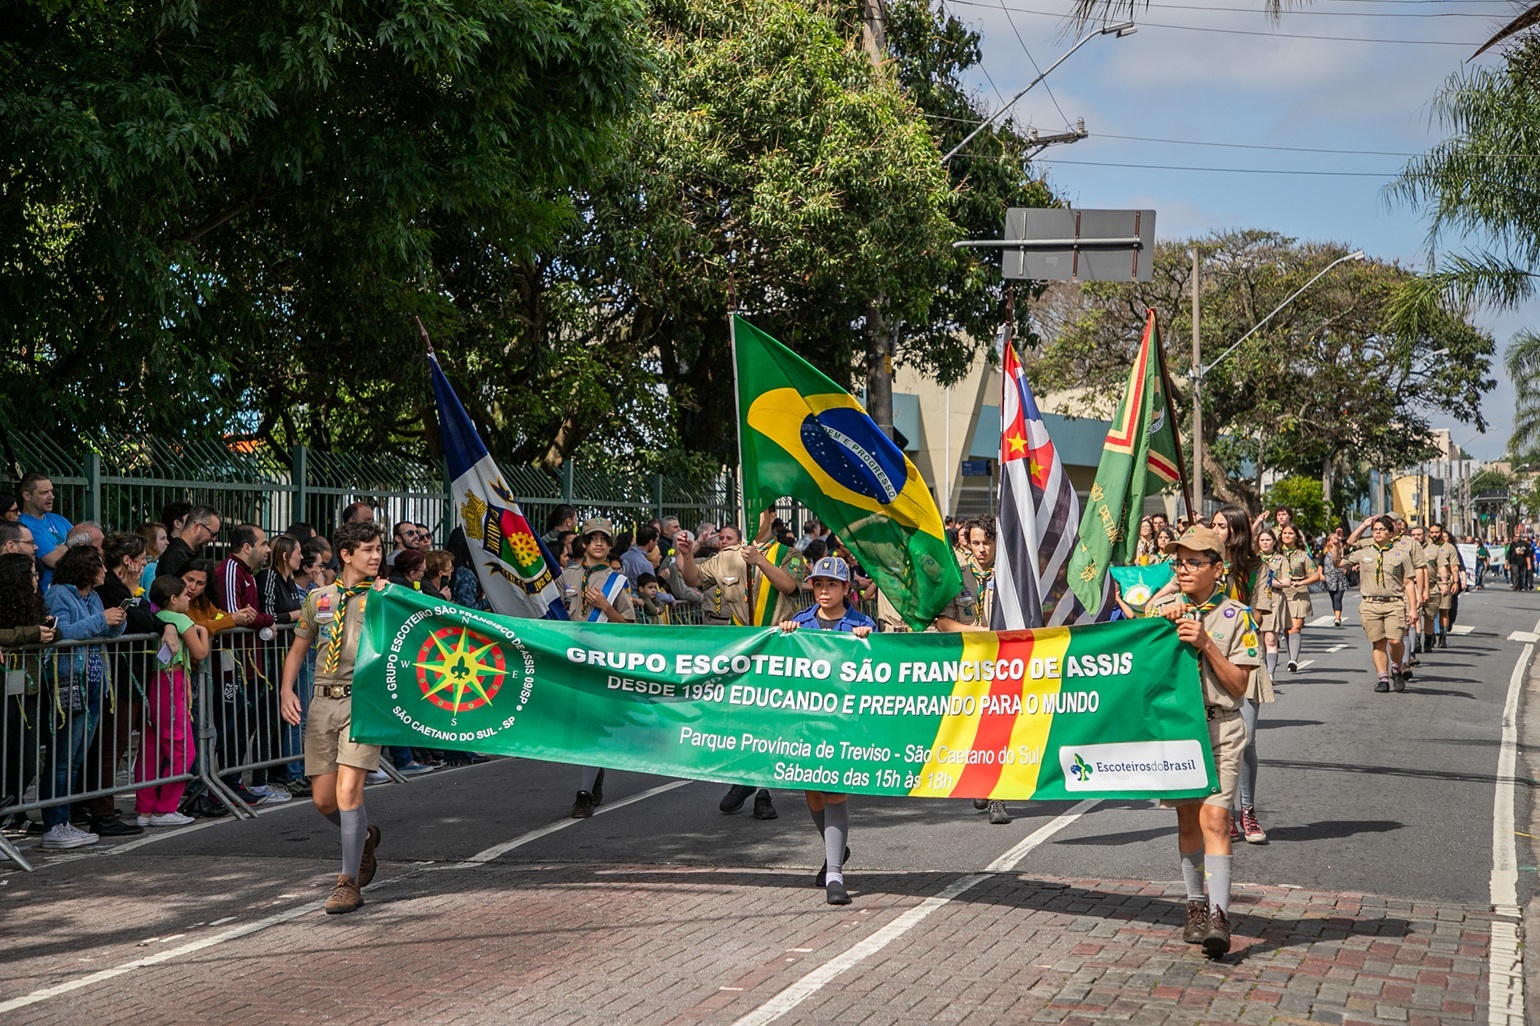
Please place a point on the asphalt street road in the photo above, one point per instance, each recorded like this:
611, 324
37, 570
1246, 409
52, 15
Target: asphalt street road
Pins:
1389, 795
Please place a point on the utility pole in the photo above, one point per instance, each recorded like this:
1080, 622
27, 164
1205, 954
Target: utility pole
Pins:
879, 345
1197, 401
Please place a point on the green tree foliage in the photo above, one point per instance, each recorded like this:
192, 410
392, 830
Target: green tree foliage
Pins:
1305, 500
1325, 389
220, 216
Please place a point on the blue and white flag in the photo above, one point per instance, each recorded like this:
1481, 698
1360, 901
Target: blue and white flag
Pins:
517, 572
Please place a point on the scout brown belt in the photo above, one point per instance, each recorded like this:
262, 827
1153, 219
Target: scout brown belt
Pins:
334, 690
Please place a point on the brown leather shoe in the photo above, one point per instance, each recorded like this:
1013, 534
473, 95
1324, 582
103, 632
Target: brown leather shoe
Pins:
1197, 921
367, 865
1216, 943
345, 897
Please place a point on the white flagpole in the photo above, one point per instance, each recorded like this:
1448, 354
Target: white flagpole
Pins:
732, 336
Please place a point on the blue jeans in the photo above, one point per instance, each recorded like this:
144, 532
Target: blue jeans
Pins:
71, 739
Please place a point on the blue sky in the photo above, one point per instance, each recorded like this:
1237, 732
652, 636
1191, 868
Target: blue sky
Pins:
1258, 84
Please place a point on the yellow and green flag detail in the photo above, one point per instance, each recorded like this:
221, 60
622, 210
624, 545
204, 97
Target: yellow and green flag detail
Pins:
1108, 710
805, 437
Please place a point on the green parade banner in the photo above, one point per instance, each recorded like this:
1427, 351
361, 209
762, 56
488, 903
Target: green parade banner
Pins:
1105, 710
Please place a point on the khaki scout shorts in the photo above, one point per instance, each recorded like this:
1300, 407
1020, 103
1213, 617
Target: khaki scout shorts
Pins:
1431, 605
1300, 607
1445, 601
1227, 740
328, 725
1270, 621
1383, 619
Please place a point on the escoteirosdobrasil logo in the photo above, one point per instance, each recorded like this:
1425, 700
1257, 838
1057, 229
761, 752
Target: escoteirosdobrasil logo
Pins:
1081, 770
459, 670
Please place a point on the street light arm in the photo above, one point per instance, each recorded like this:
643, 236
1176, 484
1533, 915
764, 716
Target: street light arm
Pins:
1120, 30
1356, 255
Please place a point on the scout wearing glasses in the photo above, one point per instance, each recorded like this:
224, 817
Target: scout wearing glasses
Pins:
830, 582
1387, 581
336, 765
595, 593
1223, 633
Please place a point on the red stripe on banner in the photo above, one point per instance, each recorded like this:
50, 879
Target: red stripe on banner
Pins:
1121, 437
1163, 467
995, 729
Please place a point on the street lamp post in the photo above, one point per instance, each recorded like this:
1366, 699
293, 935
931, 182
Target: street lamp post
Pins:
1121, 29
1200, 370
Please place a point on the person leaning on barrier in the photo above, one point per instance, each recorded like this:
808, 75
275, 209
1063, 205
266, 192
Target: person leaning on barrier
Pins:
201, 607
24, 620
79, 683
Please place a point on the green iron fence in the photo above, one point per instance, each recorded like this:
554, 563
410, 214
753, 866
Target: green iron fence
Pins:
132, 482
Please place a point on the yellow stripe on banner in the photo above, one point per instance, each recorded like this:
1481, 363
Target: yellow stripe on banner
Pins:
765, 594
1029, 738
956, 733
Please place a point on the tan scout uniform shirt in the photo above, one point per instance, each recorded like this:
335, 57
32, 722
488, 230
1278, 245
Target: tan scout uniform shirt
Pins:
1230, 625
1265, 596
577, 579
1382, 573
729, 582
318, 621
1297, 564
786, 606
1445, 560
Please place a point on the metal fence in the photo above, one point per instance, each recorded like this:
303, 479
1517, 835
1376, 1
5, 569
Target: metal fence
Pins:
131, 483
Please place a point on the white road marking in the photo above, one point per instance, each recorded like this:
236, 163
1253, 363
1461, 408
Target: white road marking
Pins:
1461, 628
1338, 647
488, 854
1527, 637
1322, 621
1303, 663
807, 986
1505, 968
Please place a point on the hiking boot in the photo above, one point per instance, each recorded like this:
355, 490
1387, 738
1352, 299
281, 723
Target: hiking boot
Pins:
1383, 685
736, 795
345, 897
367, 865
1398, 682
1251, 828
1197, 921
981, 804
997, 813
1216, 942
821, 879
584, 806
599, 789
763, 808
835, 894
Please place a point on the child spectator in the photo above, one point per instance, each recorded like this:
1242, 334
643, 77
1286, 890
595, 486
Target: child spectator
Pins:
167, 749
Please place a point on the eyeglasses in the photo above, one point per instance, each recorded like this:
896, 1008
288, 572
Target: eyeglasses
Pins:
1192, 564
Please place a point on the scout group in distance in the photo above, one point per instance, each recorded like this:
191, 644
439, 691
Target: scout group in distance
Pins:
1218, 574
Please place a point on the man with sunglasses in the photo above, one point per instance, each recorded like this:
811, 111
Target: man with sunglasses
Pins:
1222, 632
200, 528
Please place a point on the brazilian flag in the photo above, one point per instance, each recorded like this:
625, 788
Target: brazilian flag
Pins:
803, 436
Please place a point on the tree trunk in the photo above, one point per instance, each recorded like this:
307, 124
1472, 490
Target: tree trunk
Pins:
879, 371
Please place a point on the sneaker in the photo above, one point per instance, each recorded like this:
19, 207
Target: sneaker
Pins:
1251, 828
299, 788
835, 894
1398, 682
599, 789
1197, 921
981, 804
166, 819
763, 809
114, 827
584, 806
67, 835
367, 865
377, 776
997, 814
251, 798
821, 879
1216, 942
1382, 685
1337, 624
1443, 641
1293, 666
272, 794
1406, 671
1235, 832
345, 897
736, 795
413, 769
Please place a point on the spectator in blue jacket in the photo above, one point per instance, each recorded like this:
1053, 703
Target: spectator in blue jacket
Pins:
79, 682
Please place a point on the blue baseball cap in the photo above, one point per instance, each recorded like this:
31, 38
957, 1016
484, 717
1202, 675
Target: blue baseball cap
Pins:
831, 567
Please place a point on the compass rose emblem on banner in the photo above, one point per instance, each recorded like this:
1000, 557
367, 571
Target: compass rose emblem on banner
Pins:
460, 670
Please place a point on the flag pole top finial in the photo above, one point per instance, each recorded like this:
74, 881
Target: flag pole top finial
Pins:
427, 343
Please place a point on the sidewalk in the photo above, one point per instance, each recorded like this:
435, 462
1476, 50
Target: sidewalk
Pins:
595, 944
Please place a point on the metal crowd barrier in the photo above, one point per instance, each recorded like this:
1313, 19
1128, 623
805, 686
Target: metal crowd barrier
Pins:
73, 711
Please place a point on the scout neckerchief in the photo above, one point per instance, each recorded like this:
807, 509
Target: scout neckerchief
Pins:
613, 585
334, 650
1379, 561
1208, 607
986, 579
766, 595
